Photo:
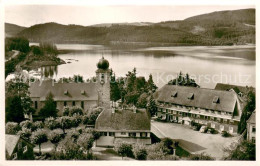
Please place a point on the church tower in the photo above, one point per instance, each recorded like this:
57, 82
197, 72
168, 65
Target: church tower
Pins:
103, 83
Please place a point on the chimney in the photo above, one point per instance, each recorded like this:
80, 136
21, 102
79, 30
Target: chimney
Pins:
113, 110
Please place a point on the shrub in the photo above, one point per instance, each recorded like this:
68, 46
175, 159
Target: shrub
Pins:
123, 149
86, 141
26, 124
55, 136
201, 156
37, 125
51, 123
76, 110
213, 131
140, 152
75, 121
25, 133
73, 133
225, 134
12, 128
38, 137
85, 119
66, 111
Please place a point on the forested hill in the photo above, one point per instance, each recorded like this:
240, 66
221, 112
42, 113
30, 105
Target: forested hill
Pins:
12, 29
217, 28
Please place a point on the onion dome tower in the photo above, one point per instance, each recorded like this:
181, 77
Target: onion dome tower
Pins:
103, 83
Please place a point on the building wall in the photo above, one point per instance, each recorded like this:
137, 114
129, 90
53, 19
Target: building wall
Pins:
109, 141
60, 105
251, 135
177, 115
19, 151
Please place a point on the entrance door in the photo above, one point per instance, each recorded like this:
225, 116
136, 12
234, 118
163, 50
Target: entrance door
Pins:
230, 129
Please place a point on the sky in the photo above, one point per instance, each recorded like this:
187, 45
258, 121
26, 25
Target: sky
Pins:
28, 15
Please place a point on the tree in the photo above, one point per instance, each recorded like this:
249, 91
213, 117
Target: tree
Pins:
26, 124
247, 111
150, 84
86, 141
123, 149
183, 81
38, 137
55, 136
168, 143
142, 101
14, 109
115, 93
69, 150
140, 152
51, 123
12, 128
49, 109
16, 87
17, 43
65, 122
25, 133
151, 107
93, 116
243, 151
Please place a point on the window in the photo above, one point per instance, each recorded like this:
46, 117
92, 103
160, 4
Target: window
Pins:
105, 133
36, 105
174, 94
216, 99
66, 92
25, 149
253, 139
111, 134
73, 103
143, 134
132, 134
102, 75
82, 104
123, 133
191, 96
14, 156
253, 129
65, 103
20, 145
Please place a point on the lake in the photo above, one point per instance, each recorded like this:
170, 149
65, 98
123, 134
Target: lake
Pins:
208, 65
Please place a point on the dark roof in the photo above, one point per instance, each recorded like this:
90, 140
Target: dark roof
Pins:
123, 120
58, 90
197, 97
227, 87
251, 118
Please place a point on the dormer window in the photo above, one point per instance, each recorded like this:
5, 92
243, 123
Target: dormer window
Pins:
174, 94
216, 99
191, 96
66, 92
82, 92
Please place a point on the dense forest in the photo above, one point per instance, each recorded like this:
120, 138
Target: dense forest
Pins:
217, 28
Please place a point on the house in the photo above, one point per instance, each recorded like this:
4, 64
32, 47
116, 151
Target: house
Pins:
251, 128
214, 108
85, 95
18, 148
130, 125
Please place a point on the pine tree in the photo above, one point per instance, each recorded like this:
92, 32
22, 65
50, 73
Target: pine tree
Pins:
152, 108
49, 109
150, 84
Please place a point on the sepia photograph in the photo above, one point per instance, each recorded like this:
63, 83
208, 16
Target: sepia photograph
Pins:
129, 82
